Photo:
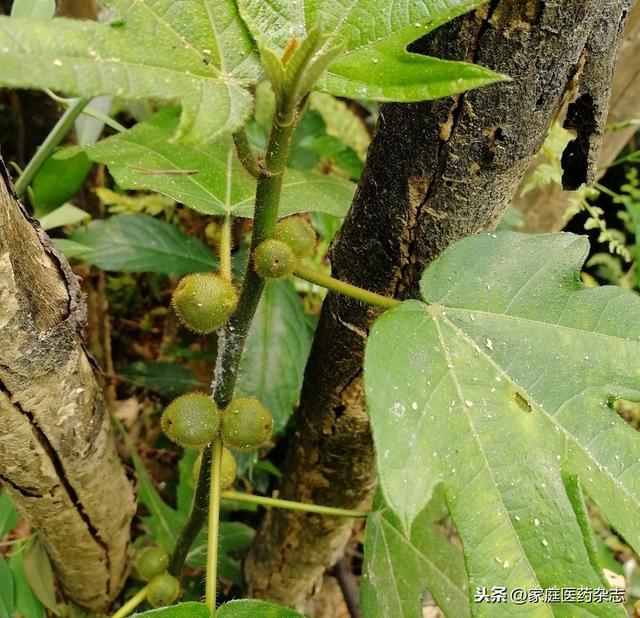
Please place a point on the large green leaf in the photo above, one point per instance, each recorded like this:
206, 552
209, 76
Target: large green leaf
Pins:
195, 51
399, 567
250, 608
209, 179
139, 243
273, 362
375, 64
181, 610
501, 390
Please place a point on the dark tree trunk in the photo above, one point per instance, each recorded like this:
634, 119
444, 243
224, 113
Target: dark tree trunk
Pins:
436, 172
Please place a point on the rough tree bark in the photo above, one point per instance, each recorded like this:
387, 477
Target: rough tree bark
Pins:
57, 455
435, 172
544, 208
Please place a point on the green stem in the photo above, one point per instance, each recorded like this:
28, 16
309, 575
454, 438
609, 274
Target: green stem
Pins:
197, 516
245, 153
53, 139
225, 248
326, 281
291, 505
132, 603
214, 516
232, 338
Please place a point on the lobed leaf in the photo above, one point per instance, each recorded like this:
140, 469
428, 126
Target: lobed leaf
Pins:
399, 568
190, 609
209, 179
375, 65
195, 51
250, 608
501, 389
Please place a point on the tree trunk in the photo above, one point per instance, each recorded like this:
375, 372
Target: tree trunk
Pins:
436, 172
544, 208
57, 455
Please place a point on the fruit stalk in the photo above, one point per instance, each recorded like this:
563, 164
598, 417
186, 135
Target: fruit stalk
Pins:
132, 603
214, 516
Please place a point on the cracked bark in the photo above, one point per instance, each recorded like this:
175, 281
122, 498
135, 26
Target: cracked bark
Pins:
57, 456
436, 172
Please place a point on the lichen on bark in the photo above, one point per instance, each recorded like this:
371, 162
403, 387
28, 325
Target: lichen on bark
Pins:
57, 454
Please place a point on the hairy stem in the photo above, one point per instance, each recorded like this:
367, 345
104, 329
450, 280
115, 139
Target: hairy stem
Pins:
132, 603
290, 505
53, 139
232, 338
371, 298
245, 153
214, 515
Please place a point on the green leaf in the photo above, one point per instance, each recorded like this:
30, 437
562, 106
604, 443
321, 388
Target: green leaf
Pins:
26, 602
36, 9
209, 179
6, 588
169, 379
195, 51
181, 610
140, 243
248, 608
67, 214
39, 574
275, 355
58, 181
399, 567
501, 390
8, 515
375, 64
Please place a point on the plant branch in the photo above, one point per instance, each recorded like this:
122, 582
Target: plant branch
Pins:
53, 139
132, 603
291, 505
214, 515
245, 153
196, 519
232, 338
326, 281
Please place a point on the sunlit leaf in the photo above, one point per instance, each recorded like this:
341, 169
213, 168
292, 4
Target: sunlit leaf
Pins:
501, 389
195, 51
209, 179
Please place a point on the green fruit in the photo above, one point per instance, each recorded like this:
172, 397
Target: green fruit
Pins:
229, 469
191, 420
298, 234
246, 424
274, 259
151, 562
163, 590
204, 302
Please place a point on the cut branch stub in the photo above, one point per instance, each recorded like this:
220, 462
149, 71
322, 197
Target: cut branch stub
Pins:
57, 456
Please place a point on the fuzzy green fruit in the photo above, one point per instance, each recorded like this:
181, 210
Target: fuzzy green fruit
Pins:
151, 562
229, 469
274, 259
298, 234
191, 420
164, 589
204, 302
246, 424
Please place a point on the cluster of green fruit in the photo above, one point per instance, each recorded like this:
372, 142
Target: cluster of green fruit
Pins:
204, 302
151, 566
194, 420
